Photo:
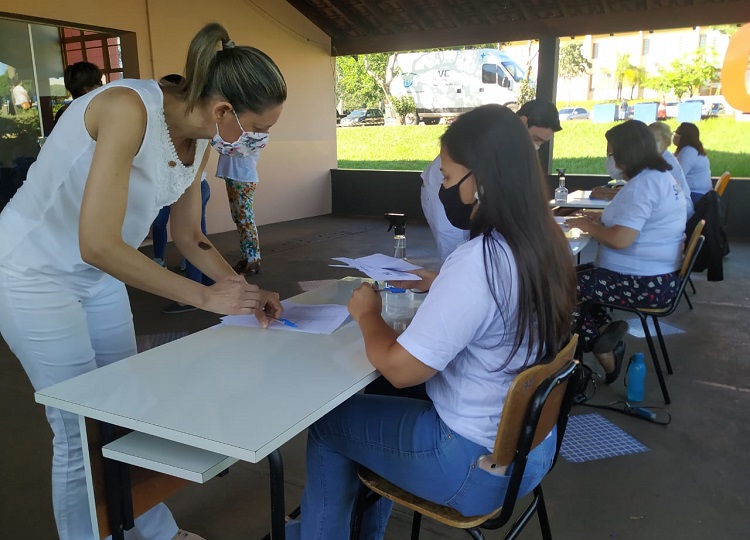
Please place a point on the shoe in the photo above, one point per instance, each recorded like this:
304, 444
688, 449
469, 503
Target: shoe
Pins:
176, 307
619, 352
183, 265
184, 535
244, 267
159, 261
612, 335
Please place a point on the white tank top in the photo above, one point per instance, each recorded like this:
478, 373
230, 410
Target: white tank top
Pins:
39, 226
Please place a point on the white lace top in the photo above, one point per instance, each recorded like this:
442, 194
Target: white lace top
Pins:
39, 227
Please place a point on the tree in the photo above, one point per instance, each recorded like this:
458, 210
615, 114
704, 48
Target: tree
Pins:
634, 76
572, 63
623, 65
685, 76
403, 106
527, 90
381, 67
354, 87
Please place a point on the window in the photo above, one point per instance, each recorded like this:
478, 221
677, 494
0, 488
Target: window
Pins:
595, 52
489, 73
100, 49
702, 41
646, 46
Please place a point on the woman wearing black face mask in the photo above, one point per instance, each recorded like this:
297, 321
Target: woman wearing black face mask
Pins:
457, 212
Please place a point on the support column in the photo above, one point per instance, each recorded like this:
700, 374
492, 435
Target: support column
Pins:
546, 85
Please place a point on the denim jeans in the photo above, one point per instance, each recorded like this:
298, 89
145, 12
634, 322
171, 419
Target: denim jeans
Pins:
58, 332
405, 441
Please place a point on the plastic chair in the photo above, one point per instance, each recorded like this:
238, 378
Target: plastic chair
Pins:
538, 399
691, 253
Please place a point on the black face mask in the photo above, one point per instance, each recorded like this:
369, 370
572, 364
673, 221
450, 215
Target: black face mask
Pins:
457, 212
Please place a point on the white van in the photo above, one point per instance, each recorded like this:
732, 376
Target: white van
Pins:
448, 83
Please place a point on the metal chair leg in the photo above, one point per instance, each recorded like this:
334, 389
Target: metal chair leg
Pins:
692, 286
416, 524
687, 299
475, 533
663, 345
542, 514
655, 358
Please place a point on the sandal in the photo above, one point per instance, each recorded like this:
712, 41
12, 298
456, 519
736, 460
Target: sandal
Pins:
246, 268
619, 352
610, 337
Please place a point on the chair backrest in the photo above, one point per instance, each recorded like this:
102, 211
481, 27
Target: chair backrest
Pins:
691, 252
520, 398
722, 182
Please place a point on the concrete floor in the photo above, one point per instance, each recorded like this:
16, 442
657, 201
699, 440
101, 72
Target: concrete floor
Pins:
692, 483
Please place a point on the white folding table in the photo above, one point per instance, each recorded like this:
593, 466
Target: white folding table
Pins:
239, 393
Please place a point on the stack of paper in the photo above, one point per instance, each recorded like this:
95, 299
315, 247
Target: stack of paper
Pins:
312, 319
381, 267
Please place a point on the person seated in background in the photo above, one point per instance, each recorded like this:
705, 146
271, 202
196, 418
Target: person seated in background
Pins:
640, 235
693, 159
80, 79
449, 223
479, 326
663, 135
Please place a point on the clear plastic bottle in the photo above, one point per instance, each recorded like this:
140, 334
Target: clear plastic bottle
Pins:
636, 378
398, 224
561, 193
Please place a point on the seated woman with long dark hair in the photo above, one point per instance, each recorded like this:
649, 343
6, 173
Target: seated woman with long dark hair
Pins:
693, 160
640, 235
501, 303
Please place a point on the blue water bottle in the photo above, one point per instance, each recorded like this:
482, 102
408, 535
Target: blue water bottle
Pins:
636, 378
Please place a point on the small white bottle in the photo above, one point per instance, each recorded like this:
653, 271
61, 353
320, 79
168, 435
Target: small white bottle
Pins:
561, 193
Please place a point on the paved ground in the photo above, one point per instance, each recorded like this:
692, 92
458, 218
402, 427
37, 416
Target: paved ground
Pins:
691, 483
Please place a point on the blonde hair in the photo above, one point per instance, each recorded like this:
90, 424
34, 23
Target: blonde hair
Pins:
245, 76
663, 135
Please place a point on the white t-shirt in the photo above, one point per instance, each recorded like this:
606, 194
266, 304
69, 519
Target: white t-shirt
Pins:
238, 168
460, 332
20, 96
679, 175
651, 203
697, 170
39, 226
447, 237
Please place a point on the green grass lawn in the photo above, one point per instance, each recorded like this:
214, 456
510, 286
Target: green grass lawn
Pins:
580, 147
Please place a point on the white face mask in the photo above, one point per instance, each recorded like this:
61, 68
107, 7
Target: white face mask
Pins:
612, 170
249, 143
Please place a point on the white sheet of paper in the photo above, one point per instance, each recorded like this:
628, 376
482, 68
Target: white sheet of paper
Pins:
381, 267
312, 319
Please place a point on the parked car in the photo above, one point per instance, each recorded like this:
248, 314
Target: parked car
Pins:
364, 117
574, 113
671, 109
709, 106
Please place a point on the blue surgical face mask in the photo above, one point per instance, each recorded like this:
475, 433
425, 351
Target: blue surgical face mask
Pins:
249, 143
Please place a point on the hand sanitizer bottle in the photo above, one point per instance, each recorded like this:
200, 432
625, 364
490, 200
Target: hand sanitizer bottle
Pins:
561, 193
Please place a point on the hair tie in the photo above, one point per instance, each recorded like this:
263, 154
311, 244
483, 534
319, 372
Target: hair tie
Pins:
229, 44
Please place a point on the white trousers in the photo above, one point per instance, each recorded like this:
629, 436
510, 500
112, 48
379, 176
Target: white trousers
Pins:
59, 331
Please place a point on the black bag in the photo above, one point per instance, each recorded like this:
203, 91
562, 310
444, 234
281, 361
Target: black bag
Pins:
586, 386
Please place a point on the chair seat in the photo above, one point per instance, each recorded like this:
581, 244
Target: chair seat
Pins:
438, 512
653, 311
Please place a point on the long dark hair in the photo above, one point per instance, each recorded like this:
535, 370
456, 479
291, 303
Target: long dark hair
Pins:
245, 76
494, 144
690, 135
634, 148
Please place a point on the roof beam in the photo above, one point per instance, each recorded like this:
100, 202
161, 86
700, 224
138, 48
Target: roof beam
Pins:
610, 23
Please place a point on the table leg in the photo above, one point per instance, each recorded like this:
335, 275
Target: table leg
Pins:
89, 477
276, 467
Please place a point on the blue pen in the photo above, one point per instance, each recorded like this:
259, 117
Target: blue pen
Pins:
387, 288
285, 322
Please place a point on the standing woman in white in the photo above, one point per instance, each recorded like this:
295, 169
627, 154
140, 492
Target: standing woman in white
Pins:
69, 238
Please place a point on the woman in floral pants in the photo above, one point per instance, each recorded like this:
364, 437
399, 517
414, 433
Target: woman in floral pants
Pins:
241, 177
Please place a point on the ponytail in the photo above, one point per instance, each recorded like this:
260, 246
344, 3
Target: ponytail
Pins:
244, 76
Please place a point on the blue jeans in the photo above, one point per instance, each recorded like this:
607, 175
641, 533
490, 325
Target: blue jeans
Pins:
405, 441
160, 236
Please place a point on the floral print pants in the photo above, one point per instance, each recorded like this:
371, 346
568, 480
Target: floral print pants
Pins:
602, 285
241, 205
